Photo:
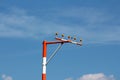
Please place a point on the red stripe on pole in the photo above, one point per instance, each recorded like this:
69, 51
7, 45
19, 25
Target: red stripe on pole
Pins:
44, 48
43, 76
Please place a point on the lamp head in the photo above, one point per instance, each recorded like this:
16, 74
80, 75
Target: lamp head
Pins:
74, 38
56, 33
62, 35
80, 42
69, 37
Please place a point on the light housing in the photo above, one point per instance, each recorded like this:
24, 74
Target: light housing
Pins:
69, 37
62, 35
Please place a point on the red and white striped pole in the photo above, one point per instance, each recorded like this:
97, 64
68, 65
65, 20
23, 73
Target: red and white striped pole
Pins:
44, 60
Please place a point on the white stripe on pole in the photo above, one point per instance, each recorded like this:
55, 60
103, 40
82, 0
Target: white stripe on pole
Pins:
44, 65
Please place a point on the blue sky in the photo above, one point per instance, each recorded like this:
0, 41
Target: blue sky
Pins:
24, 24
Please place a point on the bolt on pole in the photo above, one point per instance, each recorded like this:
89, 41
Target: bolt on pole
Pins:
57, 41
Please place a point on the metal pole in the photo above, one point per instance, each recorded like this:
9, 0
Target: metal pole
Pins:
44, 60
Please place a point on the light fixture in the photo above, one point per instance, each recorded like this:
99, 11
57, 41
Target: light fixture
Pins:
62, 35
69, 37
74, 38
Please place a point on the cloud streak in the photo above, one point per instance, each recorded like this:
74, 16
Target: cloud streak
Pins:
93, 25
98, 76
4, 77
18, 24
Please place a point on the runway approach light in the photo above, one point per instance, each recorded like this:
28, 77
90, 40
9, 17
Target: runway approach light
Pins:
56, 34
69, 37
62, 35
69, 40
74, 38
80, 42
59, 41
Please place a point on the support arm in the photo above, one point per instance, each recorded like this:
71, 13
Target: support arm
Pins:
53, 54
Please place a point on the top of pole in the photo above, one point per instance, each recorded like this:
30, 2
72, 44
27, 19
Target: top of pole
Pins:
63, 40
69, 40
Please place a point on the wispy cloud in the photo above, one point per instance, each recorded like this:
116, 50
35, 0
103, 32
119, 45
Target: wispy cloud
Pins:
17, 23
98, 76
92, 24
5, 77
69, 79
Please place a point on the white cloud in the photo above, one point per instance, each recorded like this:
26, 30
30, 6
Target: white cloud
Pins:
68, 79
4, 77
98, 76
96, 28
